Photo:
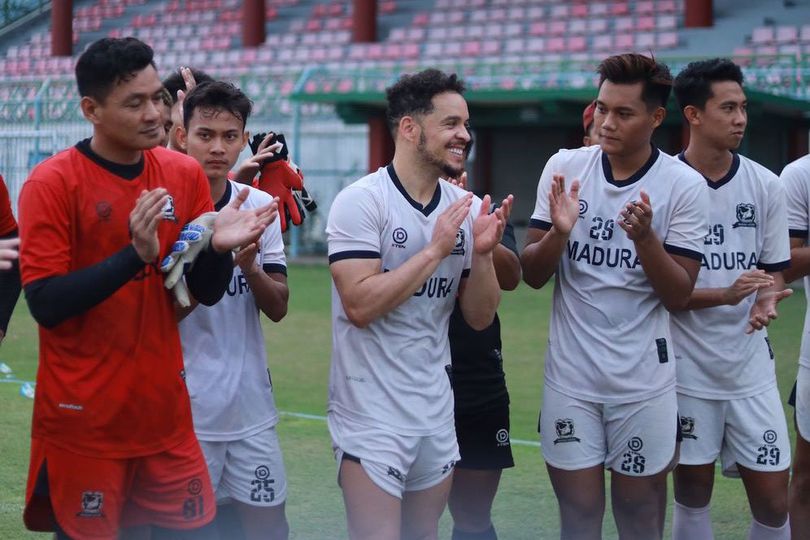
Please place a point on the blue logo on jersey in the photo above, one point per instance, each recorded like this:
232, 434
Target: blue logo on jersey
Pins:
459, 247
583, 208
400, 236
746, 216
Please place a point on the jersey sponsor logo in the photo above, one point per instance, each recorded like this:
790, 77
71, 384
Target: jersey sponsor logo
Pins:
395, 473
502, 437
400, 236
92, 504
261, 487
436, 287
238, 285
458, 249
632, 460
768, 453
168, 210
194, 507
583, 208
599, 256
730, 260
746, 215
103, 210
565, 430
688, 427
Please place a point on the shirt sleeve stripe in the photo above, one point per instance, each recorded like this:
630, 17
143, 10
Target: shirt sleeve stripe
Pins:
354, 254
274, 268
797, 233
539, 224
773, 267
683, 252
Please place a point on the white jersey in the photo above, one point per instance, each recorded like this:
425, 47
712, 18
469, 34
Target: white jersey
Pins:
796, 178
609, 339
223, 348
747, 229
391, 374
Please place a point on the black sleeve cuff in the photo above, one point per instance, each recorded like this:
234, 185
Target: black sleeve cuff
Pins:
274, 269
683, 252
539, 224
797, 233
773, 267
354, 254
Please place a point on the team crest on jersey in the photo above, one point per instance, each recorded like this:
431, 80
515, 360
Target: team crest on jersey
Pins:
565, 430
400, 236
746, 215
688, 427
583, 208
459, 247
103, 210
168, 210
92, 504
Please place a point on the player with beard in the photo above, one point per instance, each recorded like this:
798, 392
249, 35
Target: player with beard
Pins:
625, 246
727, 396
402, 245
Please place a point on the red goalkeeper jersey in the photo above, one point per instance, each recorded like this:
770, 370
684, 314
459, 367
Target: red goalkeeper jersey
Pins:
7, 222
110, 381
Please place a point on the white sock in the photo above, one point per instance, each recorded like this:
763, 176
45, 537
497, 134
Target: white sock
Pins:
758, 531
691, 523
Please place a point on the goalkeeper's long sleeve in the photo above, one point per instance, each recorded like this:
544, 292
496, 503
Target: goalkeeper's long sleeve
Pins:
9, 289
55, 299
209, 278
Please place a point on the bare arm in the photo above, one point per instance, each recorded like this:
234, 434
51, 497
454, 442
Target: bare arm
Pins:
747, 283
799, 260
764, 309
368, 293
507, 267
269, 288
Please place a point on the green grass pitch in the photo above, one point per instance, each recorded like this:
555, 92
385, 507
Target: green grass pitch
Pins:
298, 350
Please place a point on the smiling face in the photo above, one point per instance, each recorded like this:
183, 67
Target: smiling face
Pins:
215, 138
625, 122
129, 119
722, 121
444, 134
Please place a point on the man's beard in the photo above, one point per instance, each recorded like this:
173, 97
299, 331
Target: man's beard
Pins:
448, 170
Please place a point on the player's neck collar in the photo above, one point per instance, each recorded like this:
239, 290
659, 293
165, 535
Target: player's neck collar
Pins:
427, 209
127, 172
636, 176
226, 197
735, 165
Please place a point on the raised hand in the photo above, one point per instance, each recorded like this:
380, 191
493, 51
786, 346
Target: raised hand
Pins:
764, 309
488, 228
143, 223
748, 282
636, 218
446, 229
245, 258
234, 227
563, 207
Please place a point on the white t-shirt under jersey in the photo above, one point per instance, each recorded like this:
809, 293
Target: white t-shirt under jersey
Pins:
609, 339
223, 348
796, 178
747, 229
391, 375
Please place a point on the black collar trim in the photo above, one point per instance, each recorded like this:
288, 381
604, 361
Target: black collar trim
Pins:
635, 177
226, 197
426, 210
717, 184
127, 172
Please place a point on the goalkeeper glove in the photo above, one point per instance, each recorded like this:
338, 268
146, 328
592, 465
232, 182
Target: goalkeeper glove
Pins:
194, 237
280, 180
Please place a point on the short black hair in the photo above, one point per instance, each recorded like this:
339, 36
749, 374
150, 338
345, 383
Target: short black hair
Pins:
217, 95
175, 82
693, 85
107, 62
631, 68
413, 94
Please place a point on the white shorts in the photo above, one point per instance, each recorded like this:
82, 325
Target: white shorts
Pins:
635, 439
750, 431
249, 471
395, 463
803, 403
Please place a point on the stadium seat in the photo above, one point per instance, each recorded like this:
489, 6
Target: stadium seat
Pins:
762, 35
